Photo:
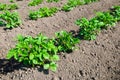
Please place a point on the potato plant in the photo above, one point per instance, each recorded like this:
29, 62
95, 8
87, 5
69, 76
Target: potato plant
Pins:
10, 19
8, 6
115, 11
88, 29
42, 12
106, 18
65, 41
35, 2
33, 51
73, 3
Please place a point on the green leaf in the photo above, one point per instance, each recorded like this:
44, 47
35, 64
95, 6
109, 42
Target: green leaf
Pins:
35, 61
31, 56
16, 56
53, 66
46, 66
10, 54
55, 58
46, 55
20, 37
21, 59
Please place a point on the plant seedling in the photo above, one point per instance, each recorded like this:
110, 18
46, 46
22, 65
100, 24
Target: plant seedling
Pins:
35, 2
8, 6
11, 19
65, 41
42, 12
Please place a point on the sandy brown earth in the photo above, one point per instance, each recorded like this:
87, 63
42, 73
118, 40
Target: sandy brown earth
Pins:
93, 60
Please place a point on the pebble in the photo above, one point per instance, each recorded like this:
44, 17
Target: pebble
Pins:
55, 78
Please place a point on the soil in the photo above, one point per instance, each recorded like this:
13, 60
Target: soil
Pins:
93, 60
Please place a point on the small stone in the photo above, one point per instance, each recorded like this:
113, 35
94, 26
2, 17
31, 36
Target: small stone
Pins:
97, 43
56, 78
73, 61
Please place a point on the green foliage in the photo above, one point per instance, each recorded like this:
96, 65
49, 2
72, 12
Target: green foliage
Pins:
11, 19
106, 18
53, 0
42, 12
11, 1
35, 51
73, 3
41, 50
65, 41
116, 12
8, 6
35, 2
90, 28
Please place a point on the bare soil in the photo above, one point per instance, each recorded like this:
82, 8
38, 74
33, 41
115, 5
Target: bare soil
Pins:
93, 60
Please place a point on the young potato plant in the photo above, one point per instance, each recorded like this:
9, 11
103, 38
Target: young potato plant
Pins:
11, 19
8, 6
106, 18
52, 1
89, 29
115, 11
42, 12
35, 2
65, 41
39, 50
73, 3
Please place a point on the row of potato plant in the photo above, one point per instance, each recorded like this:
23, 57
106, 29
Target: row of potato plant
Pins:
46, 12
42, 50
90, 28
12, 19
67, 7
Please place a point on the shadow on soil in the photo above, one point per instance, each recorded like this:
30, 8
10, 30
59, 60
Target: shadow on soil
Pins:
7, 66
76, 34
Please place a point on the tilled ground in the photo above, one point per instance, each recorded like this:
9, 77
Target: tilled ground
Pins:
94, 60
